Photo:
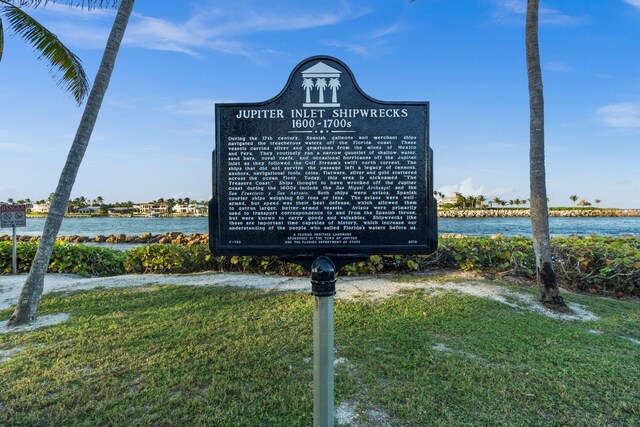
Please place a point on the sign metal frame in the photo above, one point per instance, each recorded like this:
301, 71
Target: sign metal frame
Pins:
427, 220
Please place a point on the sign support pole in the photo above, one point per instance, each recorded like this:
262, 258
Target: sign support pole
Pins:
323, 288
14, 252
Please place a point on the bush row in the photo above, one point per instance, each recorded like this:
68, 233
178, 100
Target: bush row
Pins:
597, 264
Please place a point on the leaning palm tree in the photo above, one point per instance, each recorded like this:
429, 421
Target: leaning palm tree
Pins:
574, 198
29, 299
60, 59
334, 85
546, 277
321, 84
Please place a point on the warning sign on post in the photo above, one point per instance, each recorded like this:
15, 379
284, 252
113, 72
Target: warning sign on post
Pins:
13, 216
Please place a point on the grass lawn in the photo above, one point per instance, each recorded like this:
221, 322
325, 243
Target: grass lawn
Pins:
176, 355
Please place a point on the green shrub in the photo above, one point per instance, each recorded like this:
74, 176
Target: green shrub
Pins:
605, 264
66, 258
602, 264
168, 259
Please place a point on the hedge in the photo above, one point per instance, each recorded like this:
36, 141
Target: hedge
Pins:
597, 264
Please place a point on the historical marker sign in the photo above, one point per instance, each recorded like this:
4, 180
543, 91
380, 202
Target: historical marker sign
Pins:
13, 216
322, 169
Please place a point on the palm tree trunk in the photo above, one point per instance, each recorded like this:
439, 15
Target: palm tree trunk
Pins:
29, 300
547, 285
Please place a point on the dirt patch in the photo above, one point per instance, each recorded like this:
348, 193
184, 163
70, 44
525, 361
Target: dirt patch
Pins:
444, 349
347, 414
348, 288
50, 319
8, 354
633, 340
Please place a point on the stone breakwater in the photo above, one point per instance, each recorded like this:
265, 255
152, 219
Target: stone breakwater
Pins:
175, 238
523, 213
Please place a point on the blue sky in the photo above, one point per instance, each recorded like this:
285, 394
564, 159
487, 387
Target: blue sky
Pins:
155, 132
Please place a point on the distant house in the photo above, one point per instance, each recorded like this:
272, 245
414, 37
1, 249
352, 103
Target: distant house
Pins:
153, 209
202, 209
40, 208
122, 211
583, 203
185, 209
449, 200
89, 210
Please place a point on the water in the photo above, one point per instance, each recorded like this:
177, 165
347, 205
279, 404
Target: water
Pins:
469, 226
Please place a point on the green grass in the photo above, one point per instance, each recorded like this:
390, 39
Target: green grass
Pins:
175, 355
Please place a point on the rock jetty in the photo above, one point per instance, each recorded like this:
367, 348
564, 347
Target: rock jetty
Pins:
521, 213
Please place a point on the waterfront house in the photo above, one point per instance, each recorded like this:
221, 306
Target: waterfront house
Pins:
40, 208
123, 211
449, 200
185, 209
583, 203
153, 209
89, 210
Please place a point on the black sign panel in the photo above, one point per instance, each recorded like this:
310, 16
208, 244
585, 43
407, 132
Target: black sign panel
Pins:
322, 169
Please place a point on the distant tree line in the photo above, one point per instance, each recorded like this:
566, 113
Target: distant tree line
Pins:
478, 201
81, 202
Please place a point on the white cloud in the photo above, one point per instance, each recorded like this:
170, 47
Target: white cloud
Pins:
634, 3
387, 31
16, 148
558, 67
358, 49
465, 187
514, 11
622, 115
368, 44
77, 12
193, 107
208, 29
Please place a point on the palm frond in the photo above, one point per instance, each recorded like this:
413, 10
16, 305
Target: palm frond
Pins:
89, 4
51, 49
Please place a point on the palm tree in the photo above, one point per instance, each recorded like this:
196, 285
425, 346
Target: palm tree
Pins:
60, 59
170, 204
334, 85
470, 202
546, 277
574, 198
597, 202
307, 85
29, 300
321, 84
498, 201
481, 199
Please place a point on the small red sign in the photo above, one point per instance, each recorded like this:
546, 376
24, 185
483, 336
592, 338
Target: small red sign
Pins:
13, 216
